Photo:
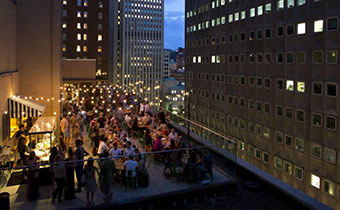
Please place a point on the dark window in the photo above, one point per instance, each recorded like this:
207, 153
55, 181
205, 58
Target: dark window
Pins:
289, 113
279, 58
230, 38
268, 57
259, 34
332, 24
243, 36
331, 89
300, 116
279, 84
267, 82
290, 57
317, 88
331, 122
290, 30
252, 35
300, 57
279, 31
279, 111
268, 32
259, 58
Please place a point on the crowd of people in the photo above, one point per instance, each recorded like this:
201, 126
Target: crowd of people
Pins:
120, 127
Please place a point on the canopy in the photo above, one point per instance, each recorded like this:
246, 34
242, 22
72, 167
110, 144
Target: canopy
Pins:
43, 125
21, 106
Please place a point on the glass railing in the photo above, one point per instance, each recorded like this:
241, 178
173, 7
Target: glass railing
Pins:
198, 134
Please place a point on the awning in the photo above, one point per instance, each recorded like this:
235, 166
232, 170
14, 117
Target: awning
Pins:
21, 106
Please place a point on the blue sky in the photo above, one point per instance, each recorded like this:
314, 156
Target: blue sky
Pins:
174, 24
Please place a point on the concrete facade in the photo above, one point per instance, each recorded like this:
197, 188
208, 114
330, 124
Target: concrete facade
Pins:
30, 60
266, 73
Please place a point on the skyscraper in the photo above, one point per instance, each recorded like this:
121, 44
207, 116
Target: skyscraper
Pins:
141, 42
88, 32
266, 73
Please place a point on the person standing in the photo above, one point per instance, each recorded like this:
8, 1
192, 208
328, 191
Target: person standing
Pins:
115, 152
103, 146
70, 192
80, 153
106, 177
90, 181
59, 173
65, 129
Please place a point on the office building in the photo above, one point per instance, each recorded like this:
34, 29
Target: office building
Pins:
166, 72
89, 31
266, 73
141, 44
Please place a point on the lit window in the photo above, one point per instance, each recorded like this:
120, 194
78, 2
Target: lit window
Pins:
266, 132
318, 26
85, 14
64, 2
199, 59
230, 19
194, 59
236, 16
243, 15
85, 26
260, 10
252, 12
78, 48
78, 36
84, 37
64, 25
290, 3
86, 3
64, 48
315, 181
268, 8
79, 14
78, 25
100, 38
280, 5
290, 85
85, 48
301, 2
301, 28
328, 187
241, 145
100, 4
100, 49
301, 87
213, 59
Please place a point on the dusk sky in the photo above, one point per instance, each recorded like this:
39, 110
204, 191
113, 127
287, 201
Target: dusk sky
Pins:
174, 24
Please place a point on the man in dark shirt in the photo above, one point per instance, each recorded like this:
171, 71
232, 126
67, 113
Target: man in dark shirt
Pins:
80, 153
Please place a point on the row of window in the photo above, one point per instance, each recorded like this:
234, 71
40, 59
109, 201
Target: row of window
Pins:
291, 29
260, 9
280, 111
259, 82
318, 57
260, 34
